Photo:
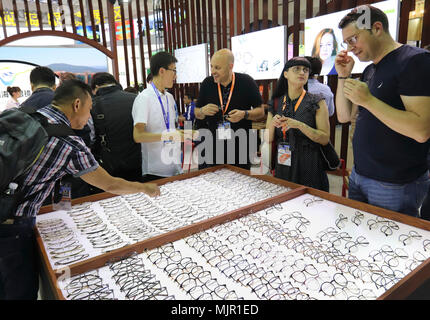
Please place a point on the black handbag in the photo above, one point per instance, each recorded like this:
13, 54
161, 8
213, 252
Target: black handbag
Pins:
329, 156
8, 205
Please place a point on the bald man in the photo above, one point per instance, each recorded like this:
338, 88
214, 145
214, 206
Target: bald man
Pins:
228, 102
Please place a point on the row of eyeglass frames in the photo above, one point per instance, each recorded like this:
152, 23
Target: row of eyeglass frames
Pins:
128, 219
255, 257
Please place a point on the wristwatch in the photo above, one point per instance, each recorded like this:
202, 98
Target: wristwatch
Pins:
246, 115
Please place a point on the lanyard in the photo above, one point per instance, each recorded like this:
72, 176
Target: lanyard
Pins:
189, 112
284, 130
229, 96
166, 117
297, 103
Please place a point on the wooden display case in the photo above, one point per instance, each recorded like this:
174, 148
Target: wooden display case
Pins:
401, 290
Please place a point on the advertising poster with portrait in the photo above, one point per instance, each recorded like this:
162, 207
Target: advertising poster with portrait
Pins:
323, 38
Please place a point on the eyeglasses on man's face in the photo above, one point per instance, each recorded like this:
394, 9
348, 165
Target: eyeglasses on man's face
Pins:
174, 70
351, 41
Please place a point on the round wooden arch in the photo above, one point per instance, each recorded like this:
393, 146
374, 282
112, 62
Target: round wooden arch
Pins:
56, 33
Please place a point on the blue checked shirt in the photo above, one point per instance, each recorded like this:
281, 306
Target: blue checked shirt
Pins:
314, 86
61, 156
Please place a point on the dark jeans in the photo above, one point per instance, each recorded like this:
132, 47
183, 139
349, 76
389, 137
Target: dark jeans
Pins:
425, 209
404, 198
19, 276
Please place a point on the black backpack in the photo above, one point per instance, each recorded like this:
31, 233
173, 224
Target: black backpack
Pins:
114, 147
23, 136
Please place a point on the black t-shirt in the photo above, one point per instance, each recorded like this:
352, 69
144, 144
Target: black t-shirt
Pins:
379, 152
244, 97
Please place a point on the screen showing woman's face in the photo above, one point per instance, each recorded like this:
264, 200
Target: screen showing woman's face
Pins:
326, 46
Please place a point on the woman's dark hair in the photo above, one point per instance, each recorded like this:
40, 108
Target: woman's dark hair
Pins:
316, 65
102, 78
375, 15
11, 90
70, 90
161, 60
282, 83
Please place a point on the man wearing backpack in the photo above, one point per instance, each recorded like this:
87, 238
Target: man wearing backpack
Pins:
71, 106
114, 147
42, 80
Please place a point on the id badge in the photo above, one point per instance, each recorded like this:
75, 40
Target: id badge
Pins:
224, 130
66, 198
284, 154
170, 141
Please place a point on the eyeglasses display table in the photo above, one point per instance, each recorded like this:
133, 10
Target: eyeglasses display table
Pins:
220, 233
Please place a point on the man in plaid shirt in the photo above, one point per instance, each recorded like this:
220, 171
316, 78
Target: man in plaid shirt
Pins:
71, 105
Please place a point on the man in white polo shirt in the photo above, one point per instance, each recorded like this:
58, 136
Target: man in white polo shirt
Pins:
154, 120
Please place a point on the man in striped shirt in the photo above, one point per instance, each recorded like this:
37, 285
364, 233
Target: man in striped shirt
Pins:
71, 105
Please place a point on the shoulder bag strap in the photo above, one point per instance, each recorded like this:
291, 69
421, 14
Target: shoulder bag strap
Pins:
100, 121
